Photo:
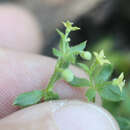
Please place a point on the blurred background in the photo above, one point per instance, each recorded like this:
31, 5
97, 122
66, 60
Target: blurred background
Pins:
105, 24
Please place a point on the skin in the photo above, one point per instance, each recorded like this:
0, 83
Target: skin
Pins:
22, 72
54, 116
19, 30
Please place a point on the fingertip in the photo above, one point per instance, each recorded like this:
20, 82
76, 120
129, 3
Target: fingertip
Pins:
61, 115
83, 116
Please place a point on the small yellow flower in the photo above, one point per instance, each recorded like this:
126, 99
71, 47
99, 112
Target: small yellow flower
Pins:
69, 26
119, 81
101, 58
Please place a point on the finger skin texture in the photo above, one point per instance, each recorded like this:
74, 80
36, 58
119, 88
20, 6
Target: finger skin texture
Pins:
60, 115
20, 72
19, 29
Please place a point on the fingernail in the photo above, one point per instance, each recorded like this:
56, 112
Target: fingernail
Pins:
78, 115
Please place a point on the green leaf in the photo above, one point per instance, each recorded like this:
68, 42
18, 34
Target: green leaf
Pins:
111, 93
60, 33
84, 67
50, 96
29, 98
56, 52
78, 48
72, 59
124, 123
75, 29
103, 74
114, 89
90, 94
79, 82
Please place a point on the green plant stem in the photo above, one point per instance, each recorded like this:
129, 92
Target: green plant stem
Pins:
52, 81
93, 66
59, 65
92, 69
55, 76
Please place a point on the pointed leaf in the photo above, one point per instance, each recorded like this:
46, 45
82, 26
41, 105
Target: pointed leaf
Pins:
29, 98
111, 93
103, 74
78, 48
84, 67
124, 123
71, 58
90, 94
56, 52
79, 82
60, 33
114, 89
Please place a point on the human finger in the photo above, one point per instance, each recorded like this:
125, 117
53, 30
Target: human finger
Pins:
60, 115
19, 29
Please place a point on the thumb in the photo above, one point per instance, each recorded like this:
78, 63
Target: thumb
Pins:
60, 115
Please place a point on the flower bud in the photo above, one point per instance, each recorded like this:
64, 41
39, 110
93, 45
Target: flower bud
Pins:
119, 81
86, 55
68, 39
67, 75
